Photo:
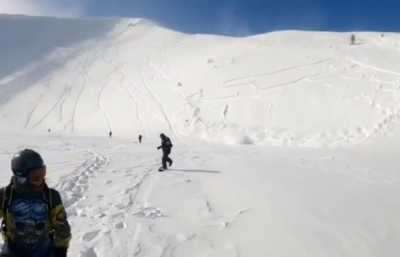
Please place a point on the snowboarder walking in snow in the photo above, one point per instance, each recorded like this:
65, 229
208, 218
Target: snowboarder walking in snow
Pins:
140, 138
110, 134
166, 146
34, 221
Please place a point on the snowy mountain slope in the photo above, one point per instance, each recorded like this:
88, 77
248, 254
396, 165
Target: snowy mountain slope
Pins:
131, 76
272, 93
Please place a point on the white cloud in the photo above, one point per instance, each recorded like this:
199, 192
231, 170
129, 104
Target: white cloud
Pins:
58, 8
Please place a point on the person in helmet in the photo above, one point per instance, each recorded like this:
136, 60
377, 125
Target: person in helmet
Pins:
34, 221
166, 146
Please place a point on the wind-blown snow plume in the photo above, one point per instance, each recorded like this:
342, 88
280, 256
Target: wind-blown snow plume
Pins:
58, 8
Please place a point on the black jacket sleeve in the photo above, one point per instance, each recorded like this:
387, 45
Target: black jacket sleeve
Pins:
60, 252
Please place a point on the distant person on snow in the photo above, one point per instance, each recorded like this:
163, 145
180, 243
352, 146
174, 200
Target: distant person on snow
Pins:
110, 134
140, 138
166, 146
34, 222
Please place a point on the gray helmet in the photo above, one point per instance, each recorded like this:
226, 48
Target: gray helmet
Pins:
24, 161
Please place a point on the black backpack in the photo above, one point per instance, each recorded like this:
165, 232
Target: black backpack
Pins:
168, 142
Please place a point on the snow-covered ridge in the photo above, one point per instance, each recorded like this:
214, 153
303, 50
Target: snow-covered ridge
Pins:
86, 76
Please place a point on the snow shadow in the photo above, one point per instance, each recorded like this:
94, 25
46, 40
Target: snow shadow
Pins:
200, 171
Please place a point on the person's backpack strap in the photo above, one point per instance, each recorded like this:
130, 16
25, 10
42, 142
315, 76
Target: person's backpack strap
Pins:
48, 196
4, 199
5, 203
7, 198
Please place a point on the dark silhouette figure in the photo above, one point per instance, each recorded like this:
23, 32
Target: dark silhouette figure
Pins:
166, 146
140, 138
110, 133
352, 39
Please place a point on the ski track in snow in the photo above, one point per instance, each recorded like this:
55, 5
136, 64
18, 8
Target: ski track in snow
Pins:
290, 83
195, 109
245, 79
99, 104
61, 109
82, 74
59, 102
158, 103
132, 99
36, 105
31, 113
371, 67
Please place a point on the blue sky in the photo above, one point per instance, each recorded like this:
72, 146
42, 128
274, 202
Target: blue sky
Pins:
235, 17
